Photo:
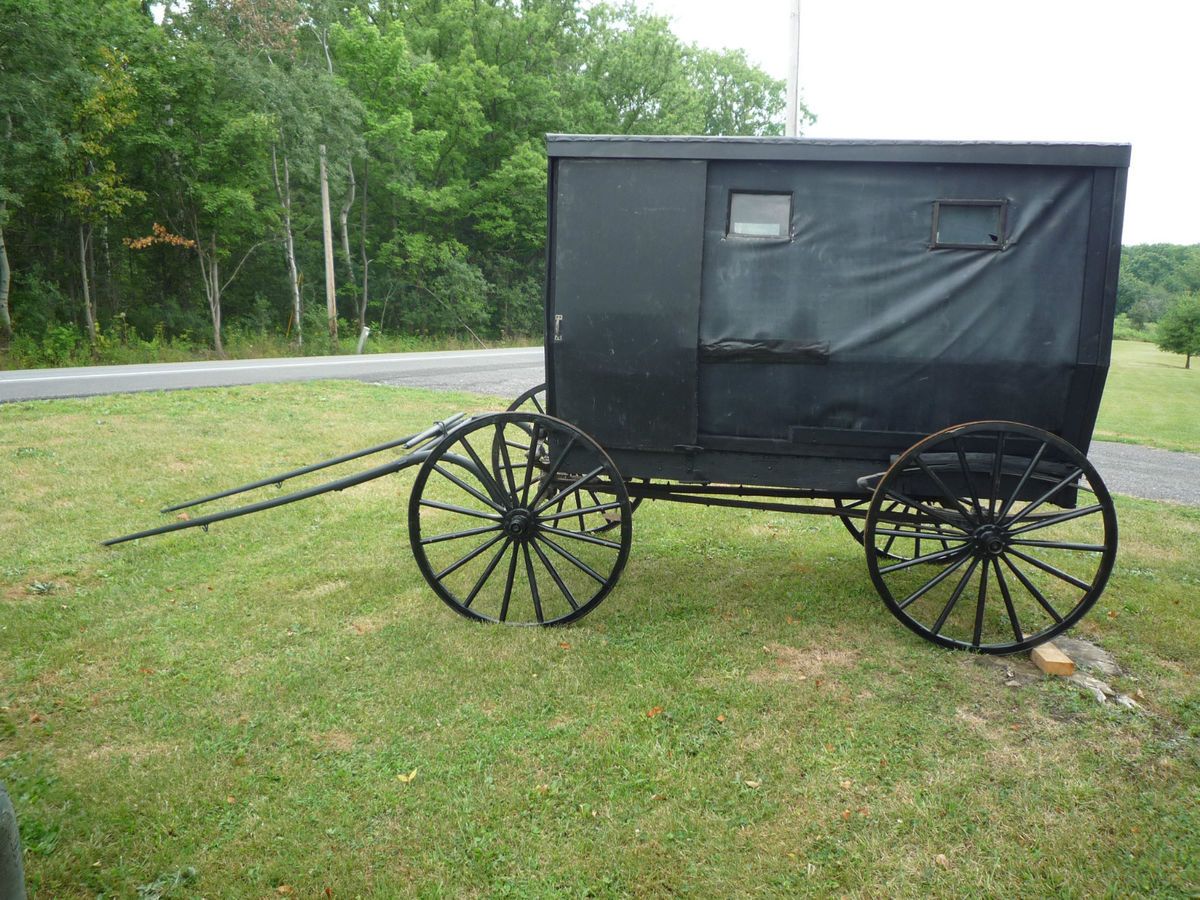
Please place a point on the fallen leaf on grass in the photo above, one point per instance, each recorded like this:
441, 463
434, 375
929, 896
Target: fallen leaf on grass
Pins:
285, 889
721, 718
653, 711
942, 860
231, 800
564, 645
183, 517
846, 815
405, 779
146, 670
846, 785
752, 784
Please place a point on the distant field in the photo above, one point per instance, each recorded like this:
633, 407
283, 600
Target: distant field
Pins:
281, 706
1151, 399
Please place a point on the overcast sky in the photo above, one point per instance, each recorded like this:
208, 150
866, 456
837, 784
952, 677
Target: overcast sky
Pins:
1050, 70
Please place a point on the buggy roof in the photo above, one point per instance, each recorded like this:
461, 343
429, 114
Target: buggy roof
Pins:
830, 150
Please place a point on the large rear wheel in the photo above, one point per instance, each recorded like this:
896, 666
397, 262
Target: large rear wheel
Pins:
990, 536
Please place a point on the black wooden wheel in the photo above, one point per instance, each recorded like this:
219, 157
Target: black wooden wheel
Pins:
505, 536
889, 550
534, 400
1017, 536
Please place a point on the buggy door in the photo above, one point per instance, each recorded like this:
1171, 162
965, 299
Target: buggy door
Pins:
624, 298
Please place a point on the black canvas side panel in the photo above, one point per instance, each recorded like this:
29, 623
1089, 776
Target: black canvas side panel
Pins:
626, 260
918, 338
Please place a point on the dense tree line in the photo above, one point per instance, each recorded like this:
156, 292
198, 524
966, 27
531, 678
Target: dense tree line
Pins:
160, 163
1155, 277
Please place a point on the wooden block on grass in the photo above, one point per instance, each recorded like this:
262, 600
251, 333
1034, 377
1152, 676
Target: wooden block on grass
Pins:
1051, 660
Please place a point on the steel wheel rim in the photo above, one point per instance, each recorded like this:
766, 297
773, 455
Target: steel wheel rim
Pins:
520, 528
1020, 571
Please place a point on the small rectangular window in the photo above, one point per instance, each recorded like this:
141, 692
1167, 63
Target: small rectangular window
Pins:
969, 224
760, 215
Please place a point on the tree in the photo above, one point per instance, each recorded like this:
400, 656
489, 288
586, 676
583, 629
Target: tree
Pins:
1179, 328
94, 189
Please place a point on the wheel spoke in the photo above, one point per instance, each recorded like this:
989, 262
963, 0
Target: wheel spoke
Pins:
455, 535
1046, 496
603, 507
997, 471
928, 510
455, 566
920, 533
573, 559
552, 471
533, 588
917, 560
1033, 591
508, 466
484, 475
562, 585
508, 584
1063, 545
1046, 567
1055, 520
478, 495
573, 486
966, 472
529, 466
978, 633
586, 538
487, 573
941, 486
461, 510
578, 507
537, 404
1008, 603
1037, 457
958, 589
933, 582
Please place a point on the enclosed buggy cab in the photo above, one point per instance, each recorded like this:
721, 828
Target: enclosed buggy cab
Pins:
791, 312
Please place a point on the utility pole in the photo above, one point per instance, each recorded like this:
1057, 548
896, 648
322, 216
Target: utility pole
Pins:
792, 126
327, 225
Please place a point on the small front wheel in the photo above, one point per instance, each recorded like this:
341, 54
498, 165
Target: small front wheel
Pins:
504, 515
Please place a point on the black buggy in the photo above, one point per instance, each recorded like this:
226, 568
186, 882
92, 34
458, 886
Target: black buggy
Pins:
910, 336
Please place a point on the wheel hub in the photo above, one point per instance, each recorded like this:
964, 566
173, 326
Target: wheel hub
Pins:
519, 524
990, 540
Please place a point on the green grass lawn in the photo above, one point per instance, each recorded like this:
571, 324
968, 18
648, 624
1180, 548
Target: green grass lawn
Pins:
1150, 398
237, 714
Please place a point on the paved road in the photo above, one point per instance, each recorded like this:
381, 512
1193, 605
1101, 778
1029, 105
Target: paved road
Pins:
465, 369
1126, 468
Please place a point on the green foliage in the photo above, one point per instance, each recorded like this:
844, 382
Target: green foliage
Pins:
153, 134
1179, 328
1153, 277
1124, 329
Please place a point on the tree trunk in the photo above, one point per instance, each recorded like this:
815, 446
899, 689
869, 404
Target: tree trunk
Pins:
327, 228
6, 331
362, 246
110, 281
1187, 363
284, 191
89, 311
344, 219
210, 274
